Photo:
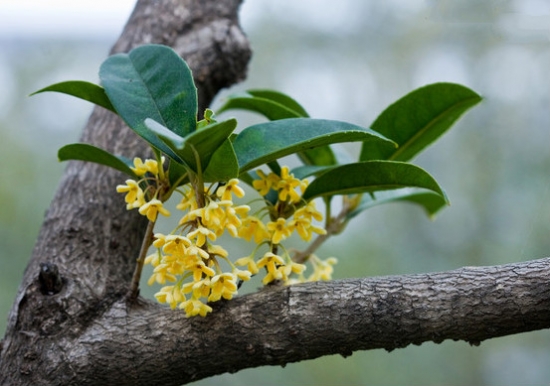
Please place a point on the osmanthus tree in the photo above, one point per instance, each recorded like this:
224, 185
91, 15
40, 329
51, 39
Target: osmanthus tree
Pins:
78, 317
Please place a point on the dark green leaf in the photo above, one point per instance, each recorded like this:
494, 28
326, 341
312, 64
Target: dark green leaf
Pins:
274, 106
202, 143
429, 201
270, 109
305, 171
265, 142
418, 119
174, 141
152, 81
85, 152
319, 156
175, 173
371, 176
282, 99
223, 165
84, 90
271, 104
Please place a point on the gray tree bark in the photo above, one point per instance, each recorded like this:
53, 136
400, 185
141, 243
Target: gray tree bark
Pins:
71, 322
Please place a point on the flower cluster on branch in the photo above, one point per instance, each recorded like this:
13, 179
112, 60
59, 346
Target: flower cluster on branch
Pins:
192, 268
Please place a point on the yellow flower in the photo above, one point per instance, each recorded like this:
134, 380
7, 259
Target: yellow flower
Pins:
200, 288
152, 208
231, 187
250, 264
188, 201
286, 186
309, 212
194, 250
150, 165
253, 227
232, 221
161, 275
279, 230
195, 307
265, 183
134, 195
174, 264
322, 269
212, 216
223, 285
290, 268
201, 234
243, 275
199, 269
217, 250
272, 262
305, 228
176, 245
153, 259
171, 295
160, 240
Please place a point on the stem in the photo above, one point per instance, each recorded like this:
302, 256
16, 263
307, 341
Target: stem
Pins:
333, 227
147, 240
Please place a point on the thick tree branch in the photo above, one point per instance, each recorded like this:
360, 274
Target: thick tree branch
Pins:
289, 324
155, 345
71, 323
87, 235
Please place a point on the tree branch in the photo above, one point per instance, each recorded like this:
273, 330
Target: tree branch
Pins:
88, 239
71, 323
290, 324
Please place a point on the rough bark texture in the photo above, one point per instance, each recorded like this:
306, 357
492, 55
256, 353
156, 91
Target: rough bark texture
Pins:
87, 235
71, 323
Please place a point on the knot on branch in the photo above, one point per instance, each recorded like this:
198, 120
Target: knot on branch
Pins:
51, 281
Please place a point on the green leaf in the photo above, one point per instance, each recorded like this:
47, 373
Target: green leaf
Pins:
152, 81
223, 165
175, 173
202, 143
371, 176
265, 142
270, 109
418, 119
305, 171
84, 90
271, 104
174, 141
274, 106
282, 99
90, 153
429, 201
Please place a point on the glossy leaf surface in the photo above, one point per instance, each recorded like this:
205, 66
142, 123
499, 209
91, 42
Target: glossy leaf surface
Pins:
84, 90
371, 176
418, 119
151, 81
223, 165
90, 153
202, 143
265, 142
275, 105
429, 201
271, 104
305, 171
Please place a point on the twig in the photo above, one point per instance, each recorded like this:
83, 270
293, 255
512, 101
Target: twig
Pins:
147, 240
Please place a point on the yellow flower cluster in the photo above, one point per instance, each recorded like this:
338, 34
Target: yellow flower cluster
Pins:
147, 201
188, 263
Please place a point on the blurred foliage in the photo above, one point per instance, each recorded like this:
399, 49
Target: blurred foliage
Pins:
348, 61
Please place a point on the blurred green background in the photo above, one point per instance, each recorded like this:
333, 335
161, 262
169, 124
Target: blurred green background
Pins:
345, 61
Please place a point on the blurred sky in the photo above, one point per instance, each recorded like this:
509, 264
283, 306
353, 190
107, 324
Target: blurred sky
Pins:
105, 18
63, 18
